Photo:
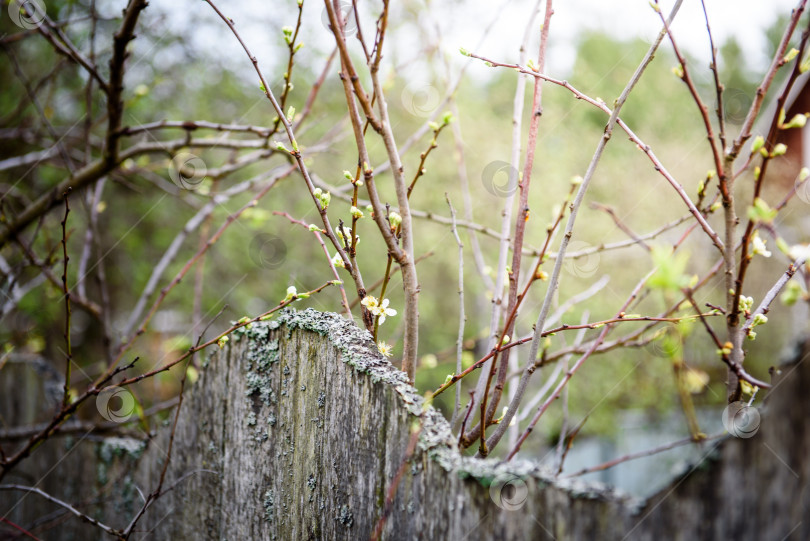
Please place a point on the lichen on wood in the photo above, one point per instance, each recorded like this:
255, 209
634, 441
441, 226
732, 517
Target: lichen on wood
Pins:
332, 422
299, 428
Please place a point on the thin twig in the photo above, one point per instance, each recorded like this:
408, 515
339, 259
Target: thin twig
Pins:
764, 306
64, 505
317, 234
520, 228
174, 248
641, 454
555, 276
66, 291
462, 318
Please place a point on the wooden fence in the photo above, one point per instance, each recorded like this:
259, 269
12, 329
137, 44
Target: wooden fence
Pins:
299, 429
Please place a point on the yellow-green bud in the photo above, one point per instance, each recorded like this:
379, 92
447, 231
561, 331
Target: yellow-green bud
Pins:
798, 121
759, 141
759, 319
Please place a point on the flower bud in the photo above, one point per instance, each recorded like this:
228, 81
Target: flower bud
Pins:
759, 319
798, 121
757, 144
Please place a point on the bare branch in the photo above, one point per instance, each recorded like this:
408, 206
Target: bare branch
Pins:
555, 276
64, 505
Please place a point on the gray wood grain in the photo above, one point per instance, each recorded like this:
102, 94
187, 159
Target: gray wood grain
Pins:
297, 429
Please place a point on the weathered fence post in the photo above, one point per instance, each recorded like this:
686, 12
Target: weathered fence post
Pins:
299, 429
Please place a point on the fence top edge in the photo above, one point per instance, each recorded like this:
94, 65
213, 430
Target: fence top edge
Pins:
358, 350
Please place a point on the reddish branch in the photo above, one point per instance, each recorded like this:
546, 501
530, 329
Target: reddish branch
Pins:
657, 164
317, 234
404, 255
520, 230
734, 286
641, 454
296, 154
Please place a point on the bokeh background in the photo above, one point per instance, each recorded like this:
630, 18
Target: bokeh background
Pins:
185, 65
